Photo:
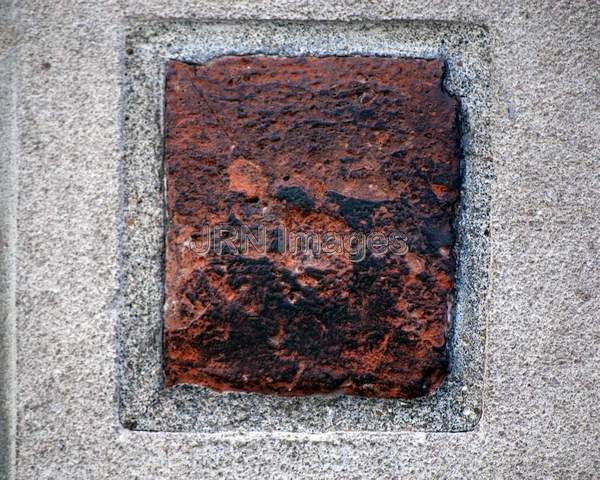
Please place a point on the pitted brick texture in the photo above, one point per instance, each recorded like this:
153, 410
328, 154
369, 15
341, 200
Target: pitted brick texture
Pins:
344, 144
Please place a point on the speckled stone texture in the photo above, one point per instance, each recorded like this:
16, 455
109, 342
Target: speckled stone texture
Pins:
345, 145
541, 397
144, 402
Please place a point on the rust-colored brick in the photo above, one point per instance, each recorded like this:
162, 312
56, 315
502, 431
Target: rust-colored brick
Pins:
352, 145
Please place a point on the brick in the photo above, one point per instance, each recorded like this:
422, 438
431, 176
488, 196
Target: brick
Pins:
364, 147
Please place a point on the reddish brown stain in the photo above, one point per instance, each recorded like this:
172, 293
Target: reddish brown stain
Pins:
345, 144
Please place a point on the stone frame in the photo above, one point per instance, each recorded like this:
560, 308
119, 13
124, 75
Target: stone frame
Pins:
143, 401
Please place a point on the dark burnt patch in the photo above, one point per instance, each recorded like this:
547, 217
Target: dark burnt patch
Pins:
295, 197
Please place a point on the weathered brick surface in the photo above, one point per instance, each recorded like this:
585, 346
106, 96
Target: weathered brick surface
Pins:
344, 144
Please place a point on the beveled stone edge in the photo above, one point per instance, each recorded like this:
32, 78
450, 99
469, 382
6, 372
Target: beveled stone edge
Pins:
143, 403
